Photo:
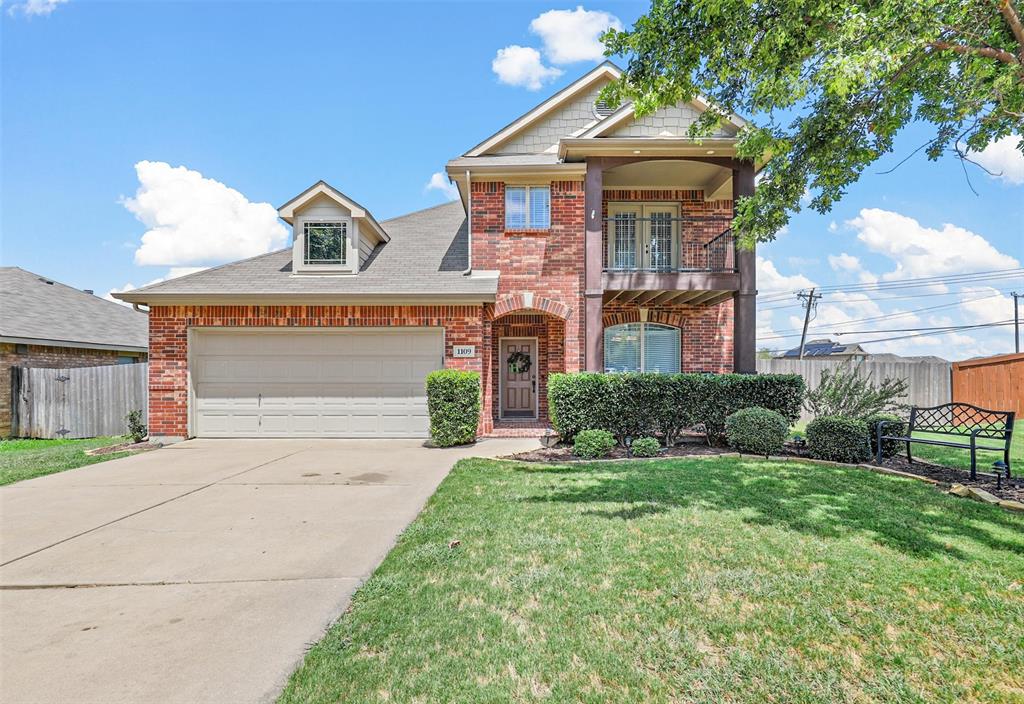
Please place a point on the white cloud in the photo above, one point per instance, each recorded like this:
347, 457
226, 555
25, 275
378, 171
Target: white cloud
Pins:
570, 36
848, 263
172, 273
1003, 159
920, 251
34, 8
770, 280
984, 304
843, 262
439, 182
194, 220
522, 66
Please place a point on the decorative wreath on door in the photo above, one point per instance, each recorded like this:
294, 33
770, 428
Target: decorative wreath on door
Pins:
519, 363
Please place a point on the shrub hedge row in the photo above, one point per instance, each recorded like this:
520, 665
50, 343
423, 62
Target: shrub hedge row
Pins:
635, 404
453, 401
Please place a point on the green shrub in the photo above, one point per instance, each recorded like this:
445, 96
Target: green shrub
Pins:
851, 392
645, 446
577, 402
631, 405
137, 430
894, 426
593, 444
757, 431
838, 439
453, 401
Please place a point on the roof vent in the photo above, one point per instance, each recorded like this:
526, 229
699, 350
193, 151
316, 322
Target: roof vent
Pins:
89, 291
602, 109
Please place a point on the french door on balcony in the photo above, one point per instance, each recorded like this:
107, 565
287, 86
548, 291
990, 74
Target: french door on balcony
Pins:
643, 236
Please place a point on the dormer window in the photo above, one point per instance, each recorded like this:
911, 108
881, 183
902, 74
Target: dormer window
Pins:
332, 235
324, 243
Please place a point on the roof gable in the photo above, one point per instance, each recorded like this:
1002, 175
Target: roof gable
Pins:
322, 189
671, 121
587, 85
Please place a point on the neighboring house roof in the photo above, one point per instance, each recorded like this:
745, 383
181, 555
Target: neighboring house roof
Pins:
425, 257
921, 359
38, 310
825, 348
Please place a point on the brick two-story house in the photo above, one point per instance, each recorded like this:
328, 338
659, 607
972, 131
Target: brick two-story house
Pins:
583, 239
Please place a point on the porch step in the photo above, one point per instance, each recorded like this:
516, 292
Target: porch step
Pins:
517, 429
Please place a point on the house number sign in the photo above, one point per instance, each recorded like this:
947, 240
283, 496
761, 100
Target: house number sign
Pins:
464, 351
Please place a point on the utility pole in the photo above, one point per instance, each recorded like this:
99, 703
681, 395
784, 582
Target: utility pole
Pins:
810, 298
1016, 322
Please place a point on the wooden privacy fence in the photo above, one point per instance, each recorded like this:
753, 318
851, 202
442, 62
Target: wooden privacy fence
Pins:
83, 402
996, 383
929, 383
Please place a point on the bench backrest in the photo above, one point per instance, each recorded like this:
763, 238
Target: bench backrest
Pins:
962, 419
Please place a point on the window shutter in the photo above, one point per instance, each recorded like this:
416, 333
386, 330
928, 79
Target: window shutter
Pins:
515, 207
661, 349
540, 207
622, 348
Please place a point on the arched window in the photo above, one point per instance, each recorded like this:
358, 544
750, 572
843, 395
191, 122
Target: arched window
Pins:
641, 347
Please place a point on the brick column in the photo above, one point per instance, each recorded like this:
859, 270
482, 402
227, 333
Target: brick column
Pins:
745, 300
593, 291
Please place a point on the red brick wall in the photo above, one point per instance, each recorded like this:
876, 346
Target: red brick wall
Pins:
44, 357
548, 263
168, 342
705, 331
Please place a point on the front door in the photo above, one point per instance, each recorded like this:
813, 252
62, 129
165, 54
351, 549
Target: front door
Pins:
518, 364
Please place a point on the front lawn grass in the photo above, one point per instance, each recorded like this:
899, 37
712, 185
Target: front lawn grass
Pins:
686, 580
26, 459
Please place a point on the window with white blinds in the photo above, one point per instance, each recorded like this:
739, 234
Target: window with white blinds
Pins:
527, 207
641, 347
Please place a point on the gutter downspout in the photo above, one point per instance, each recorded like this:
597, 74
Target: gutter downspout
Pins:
469, 226
135, 306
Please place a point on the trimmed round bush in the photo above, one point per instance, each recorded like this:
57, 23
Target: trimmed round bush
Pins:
645, 446
756, 431
838, 439
593, 444
453, 401
894, 426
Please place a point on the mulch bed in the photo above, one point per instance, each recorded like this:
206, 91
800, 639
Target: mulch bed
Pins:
945, 476
1012, 490
122, 447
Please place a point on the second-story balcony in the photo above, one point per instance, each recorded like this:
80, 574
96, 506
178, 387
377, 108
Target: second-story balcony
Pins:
650, 248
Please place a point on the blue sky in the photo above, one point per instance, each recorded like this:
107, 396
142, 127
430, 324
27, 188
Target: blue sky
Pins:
266, 98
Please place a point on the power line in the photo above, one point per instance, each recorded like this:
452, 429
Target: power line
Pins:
889, 316
944, 331
910, 297
1008, 321
954, 279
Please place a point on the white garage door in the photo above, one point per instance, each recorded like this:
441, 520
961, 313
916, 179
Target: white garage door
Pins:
343, 383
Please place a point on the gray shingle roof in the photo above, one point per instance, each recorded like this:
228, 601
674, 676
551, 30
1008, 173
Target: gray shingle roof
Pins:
426, 255
37, 308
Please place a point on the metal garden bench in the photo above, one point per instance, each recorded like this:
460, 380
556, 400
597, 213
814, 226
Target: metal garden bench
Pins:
960, 421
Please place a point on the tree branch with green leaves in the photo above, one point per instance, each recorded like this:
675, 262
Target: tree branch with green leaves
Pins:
826, 86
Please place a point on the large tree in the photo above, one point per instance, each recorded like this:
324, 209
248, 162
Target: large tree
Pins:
828, 83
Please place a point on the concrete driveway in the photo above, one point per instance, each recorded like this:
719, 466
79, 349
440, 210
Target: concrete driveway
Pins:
200, 572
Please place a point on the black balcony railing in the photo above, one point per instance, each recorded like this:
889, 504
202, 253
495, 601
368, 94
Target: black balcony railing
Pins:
667, 244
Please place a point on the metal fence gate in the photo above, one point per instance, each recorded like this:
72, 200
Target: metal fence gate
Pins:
81, 402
